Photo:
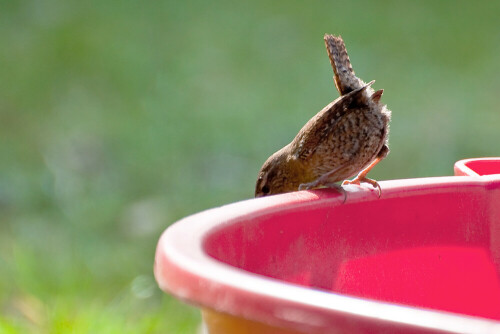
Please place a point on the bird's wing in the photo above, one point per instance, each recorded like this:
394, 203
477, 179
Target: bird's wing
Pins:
318, 128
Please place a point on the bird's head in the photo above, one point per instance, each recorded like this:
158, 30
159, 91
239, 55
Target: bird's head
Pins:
276, 175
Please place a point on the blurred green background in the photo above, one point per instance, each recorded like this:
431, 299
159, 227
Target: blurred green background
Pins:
120, 117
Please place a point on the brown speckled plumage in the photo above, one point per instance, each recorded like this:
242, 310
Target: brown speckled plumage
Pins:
347, 137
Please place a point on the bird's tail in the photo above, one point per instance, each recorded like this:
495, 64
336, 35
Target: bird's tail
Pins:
345, 79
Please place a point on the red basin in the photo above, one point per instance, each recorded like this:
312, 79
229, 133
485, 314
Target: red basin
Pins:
424, 258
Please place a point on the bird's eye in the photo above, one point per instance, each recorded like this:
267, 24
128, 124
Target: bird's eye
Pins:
265, 189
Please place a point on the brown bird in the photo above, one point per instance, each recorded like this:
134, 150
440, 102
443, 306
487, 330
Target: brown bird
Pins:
349, 136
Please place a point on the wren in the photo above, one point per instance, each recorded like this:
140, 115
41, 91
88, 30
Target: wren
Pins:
347, 137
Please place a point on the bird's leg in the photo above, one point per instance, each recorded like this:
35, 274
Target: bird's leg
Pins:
324, 180
362, 175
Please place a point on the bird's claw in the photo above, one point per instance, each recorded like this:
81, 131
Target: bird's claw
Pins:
339, 188
305, 186
357, 180
310, 185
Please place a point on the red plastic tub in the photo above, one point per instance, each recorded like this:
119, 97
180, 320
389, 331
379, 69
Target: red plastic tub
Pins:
424, 258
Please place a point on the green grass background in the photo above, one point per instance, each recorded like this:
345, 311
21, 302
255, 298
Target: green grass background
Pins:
120, 117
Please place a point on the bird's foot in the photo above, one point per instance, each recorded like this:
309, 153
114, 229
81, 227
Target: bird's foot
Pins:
358, 179
318, 183
308, 186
